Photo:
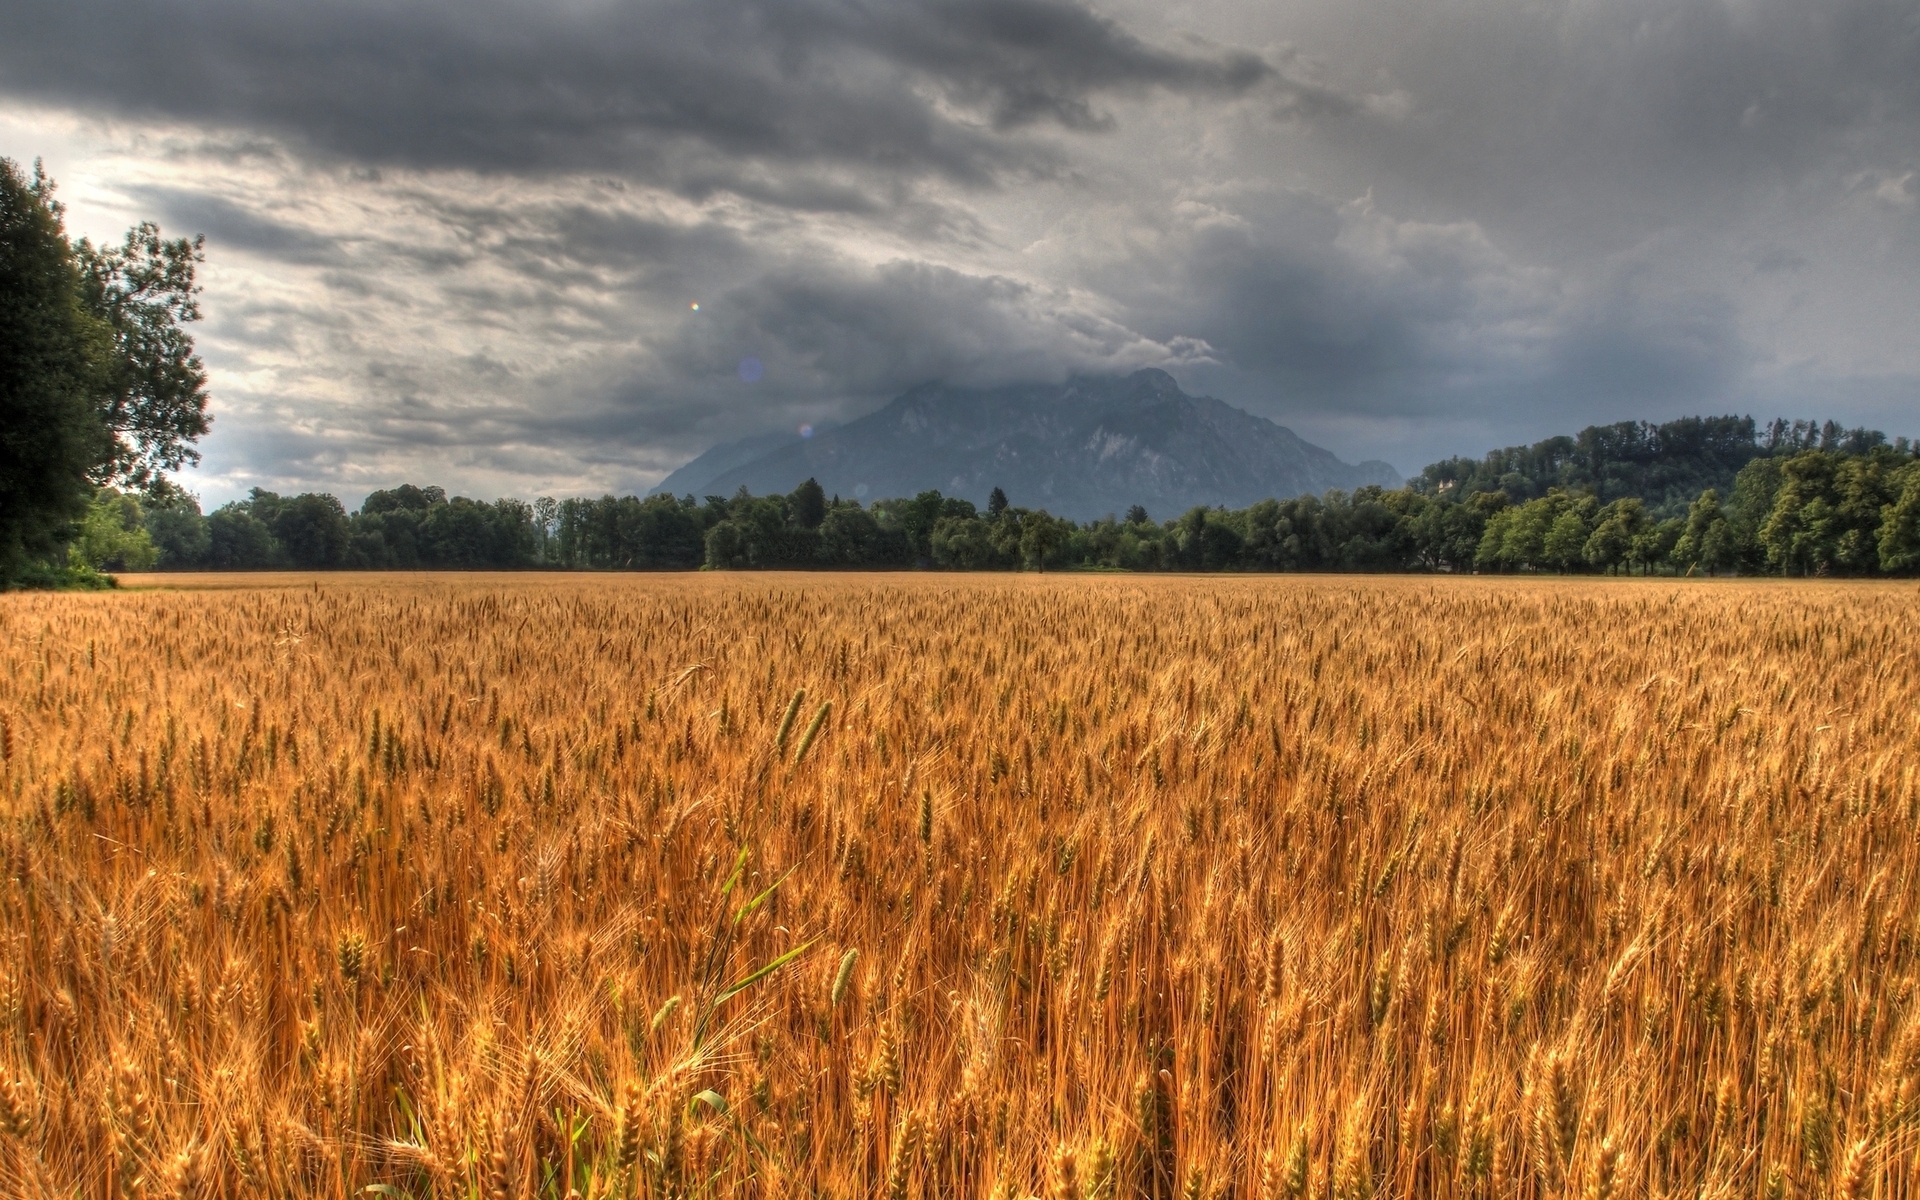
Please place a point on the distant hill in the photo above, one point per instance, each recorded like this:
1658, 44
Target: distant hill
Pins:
1082, 449
1667, 466
693, 478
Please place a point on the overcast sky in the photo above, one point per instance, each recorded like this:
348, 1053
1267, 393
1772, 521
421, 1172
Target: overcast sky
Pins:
462, 242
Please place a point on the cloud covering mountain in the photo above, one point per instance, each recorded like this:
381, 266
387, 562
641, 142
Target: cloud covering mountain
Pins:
1083, 449
463, 241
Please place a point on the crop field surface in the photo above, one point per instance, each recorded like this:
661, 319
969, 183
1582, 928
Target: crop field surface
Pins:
1087, 888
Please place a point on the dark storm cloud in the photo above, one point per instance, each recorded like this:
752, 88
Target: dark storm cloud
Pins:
685, 91
835, 338
1584, 124
1321, 304
1031, 61
1650, 350
879, 331
1391, 324
469, 234
226, 224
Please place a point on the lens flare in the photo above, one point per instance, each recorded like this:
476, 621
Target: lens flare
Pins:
695, 306
806, 431
751, 370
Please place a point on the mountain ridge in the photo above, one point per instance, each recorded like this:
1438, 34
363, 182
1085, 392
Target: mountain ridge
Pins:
1090, 446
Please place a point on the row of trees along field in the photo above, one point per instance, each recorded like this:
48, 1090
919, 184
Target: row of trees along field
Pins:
1809, 500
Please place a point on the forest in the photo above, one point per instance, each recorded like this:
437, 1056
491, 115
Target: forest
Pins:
1698, 496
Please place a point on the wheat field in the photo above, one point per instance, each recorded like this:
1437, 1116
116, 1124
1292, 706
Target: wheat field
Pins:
921, 886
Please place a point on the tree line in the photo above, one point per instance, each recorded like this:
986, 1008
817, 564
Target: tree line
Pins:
1851, 510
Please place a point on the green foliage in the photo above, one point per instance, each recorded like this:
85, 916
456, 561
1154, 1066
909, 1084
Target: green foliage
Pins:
69, 577
919, 518
1041, 536
1813, 512
656, 533
809, 505
850, 536
311, 529
51, 350
113, 535
407, 528
99, 384
1566, 541
1827, 511
1707, 542
1664, 466
238, 540
153, 395
962, 544
177, 528
1899, 540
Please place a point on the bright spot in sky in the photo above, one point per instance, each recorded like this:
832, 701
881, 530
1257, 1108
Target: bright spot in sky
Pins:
860, 489
806, 431
695, 306
750, 369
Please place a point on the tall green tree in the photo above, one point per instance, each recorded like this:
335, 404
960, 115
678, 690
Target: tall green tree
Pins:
808, 504
153, 389
1613, 544
99, 384
1566, 540
113, 536
51, 351
177, 528
312, 528
1899, 537
237, 540
1040, 536
1707, 541
1800, 530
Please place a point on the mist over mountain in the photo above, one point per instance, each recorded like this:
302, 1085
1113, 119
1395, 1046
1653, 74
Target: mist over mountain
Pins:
1082, 449
692, 478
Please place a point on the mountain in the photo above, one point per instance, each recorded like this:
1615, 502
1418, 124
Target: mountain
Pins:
693, 478
1082, 449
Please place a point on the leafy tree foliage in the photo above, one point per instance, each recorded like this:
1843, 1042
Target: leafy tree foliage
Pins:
99, 384
1900, 522
1813, 512
176, 528
51, 349
153, 398
1707, 542
1041, 536
311, 529
809, 505
657, 533
113, 535
1828, 509
1664, 466
238, 540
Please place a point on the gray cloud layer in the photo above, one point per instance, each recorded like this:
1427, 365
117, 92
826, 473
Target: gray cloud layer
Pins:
462, 241
698, 94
